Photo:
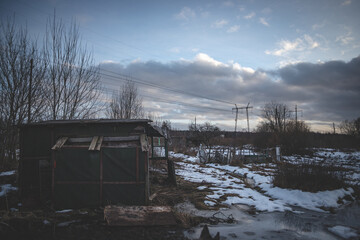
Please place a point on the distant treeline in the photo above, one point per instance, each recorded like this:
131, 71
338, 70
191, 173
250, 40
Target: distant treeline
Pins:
267, 140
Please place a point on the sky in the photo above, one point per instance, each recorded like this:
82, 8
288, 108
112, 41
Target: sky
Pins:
200, 58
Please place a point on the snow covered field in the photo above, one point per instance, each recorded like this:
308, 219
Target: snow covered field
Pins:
235, 185
252, 186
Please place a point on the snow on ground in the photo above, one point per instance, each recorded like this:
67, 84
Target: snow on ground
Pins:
308, 200
64, 211
184, 157
8, 173
223, 184
5, 188
232, 185
350, 159
344, 232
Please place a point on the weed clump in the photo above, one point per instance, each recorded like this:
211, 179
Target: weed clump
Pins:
309, 177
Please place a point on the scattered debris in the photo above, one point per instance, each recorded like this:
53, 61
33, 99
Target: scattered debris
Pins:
205, 234
152, 196
139, 215
66, 224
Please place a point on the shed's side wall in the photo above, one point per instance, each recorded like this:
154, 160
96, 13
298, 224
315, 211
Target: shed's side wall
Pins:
35, 177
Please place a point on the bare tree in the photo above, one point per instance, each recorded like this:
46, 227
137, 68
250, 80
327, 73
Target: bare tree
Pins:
276, 116
126, 103
21, 85
72, 77
293, 126
206, 133
350, 127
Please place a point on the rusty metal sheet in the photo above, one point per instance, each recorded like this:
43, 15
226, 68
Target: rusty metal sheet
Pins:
139, 215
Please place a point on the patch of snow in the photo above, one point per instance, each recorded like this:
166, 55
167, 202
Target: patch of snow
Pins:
5, 188
64, 211
14, 209
344, 232
308, 200
65, 224
355, 176
201, 187
209, 203
46, 222
183, 156
8, 173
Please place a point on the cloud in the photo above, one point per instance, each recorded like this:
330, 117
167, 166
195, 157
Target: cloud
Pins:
228, 3
233, 29
299, 44
263, 22
220, 23
250, 15
326, 92
346, 38
174, 50
318, 25
346, 2
266, 11
195, 49
186, 13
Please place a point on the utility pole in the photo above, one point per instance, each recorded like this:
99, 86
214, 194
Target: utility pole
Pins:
296, 115
29, 95
236, 117
195, 123
247, 115
334, 128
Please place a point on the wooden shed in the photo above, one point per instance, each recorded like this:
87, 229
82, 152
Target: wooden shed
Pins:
88, 163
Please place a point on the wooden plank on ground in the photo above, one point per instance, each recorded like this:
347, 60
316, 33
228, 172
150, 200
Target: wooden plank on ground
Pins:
93, 143
60, 142
139, 216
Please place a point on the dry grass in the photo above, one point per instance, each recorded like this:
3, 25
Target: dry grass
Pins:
310, 177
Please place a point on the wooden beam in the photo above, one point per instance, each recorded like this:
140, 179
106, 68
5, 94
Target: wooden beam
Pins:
93, 143
60, 142
121, 139
99, 142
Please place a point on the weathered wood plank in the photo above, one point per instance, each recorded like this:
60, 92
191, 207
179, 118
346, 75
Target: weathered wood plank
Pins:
99, 142
121, 139
139, 216
60, 142
93, 143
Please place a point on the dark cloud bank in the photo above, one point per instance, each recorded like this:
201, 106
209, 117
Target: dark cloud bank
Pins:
326, 92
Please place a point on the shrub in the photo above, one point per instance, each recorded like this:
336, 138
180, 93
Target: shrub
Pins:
310, 177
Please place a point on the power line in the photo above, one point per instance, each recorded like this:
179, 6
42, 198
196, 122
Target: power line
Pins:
157, 99
139, 81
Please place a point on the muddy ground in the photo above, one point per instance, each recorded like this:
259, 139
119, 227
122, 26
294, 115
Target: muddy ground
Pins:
236, 222
17, 222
